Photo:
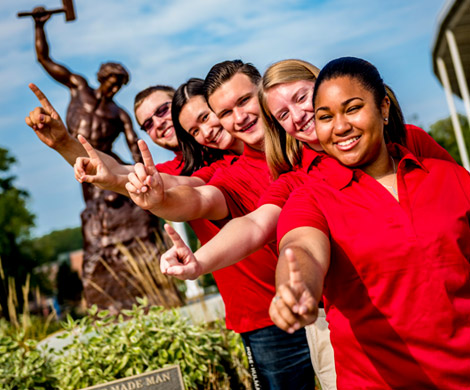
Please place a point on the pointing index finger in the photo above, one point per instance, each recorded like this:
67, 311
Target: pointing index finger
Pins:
175, 237
146, 156
42, 98
88, 148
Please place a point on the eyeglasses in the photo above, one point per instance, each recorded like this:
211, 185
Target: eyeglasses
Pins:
160, 112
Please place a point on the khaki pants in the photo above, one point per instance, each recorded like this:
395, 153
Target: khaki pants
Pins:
321, 352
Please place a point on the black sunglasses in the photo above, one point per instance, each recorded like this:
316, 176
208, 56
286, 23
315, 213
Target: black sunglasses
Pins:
160, 112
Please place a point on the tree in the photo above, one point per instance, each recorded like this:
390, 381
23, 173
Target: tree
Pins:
15, 224
443, 132
49, 246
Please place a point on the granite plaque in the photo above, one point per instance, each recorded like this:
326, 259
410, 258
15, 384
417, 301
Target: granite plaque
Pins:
168, 378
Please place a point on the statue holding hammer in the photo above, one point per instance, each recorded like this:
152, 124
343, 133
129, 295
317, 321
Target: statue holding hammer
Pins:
91, 112
109, 219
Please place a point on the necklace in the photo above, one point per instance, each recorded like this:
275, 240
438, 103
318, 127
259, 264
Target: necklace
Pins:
392, 188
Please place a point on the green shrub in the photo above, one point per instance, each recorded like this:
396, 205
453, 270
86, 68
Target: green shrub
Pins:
23, 366
104, 348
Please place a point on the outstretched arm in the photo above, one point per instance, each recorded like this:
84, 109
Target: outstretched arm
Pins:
236, 240
303, 263
168, 180
46, 123
93, 169
182, 203
48, 126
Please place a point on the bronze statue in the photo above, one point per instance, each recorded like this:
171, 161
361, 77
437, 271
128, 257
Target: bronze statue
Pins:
109, 219
91, 112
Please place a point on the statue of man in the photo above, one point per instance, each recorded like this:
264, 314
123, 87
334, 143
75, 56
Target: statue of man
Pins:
91, 112
109, 219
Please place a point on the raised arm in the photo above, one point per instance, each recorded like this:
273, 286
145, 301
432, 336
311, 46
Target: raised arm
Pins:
49, 128
107, 173
304, 259
94, 169
57, 71
168, 180
236, 240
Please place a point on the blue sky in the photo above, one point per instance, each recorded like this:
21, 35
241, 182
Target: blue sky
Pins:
166, 42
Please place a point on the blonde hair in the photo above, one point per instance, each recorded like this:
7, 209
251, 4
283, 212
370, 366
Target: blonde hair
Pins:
283, 152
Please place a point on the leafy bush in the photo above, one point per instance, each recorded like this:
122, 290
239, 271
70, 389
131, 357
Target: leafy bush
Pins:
104, 348
24, 366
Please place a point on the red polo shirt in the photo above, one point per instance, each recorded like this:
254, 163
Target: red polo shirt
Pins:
247, 287
203, 228
206, 173
397, 293
417, 141
421, 144
172, 167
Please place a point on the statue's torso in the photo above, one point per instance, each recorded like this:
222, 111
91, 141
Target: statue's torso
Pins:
98, 121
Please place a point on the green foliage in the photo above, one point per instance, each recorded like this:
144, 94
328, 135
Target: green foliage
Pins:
104, 348
49, 246
23, 366
443, 132
15, 219
194, 243
15, 224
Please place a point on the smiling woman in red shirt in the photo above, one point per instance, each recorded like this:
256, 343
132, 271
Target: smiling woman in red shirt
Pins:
385, 240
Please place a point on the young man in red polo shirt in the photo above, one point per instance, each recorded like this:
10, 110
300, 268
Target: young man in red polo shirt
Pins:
279, 360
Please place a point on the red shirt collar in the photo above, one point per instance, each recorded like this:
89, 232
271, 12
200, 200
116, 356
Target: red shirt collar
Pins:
340, 176
253, 153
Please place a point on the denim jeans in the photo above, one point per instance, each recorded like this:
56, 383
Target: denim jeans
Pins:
281, 360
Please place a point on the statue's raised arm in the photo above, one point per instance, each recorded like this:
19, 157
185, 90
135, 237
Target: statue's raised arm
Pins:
58, 71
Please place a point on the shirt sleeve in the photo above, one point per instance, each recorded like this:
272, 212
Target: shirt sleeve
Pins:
421, 144
205, 173
279, 191
172, 167
301, 210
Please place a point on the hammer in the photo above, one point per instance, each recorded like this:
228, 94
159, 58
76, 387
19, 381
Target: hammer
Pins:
68, 9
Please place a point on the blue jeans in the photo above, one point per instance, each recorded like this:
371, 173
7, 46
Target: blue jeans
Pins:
279, 360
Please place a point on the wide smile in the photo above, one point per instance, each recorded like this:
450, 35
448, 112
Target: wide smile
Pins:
217, 137
248, 127
310, 125
348, 144
167, 132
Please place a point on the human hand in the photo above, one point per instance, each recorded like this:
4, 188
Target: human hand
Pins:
46, 122
145, 185
179, 261
92, 169
293, 306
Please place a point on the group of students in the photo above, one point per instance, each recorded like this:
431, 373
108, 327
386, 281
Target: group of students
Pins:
307, 190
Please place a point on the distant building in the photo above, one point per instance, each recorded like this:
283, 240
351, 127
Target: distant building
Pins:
451, 61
